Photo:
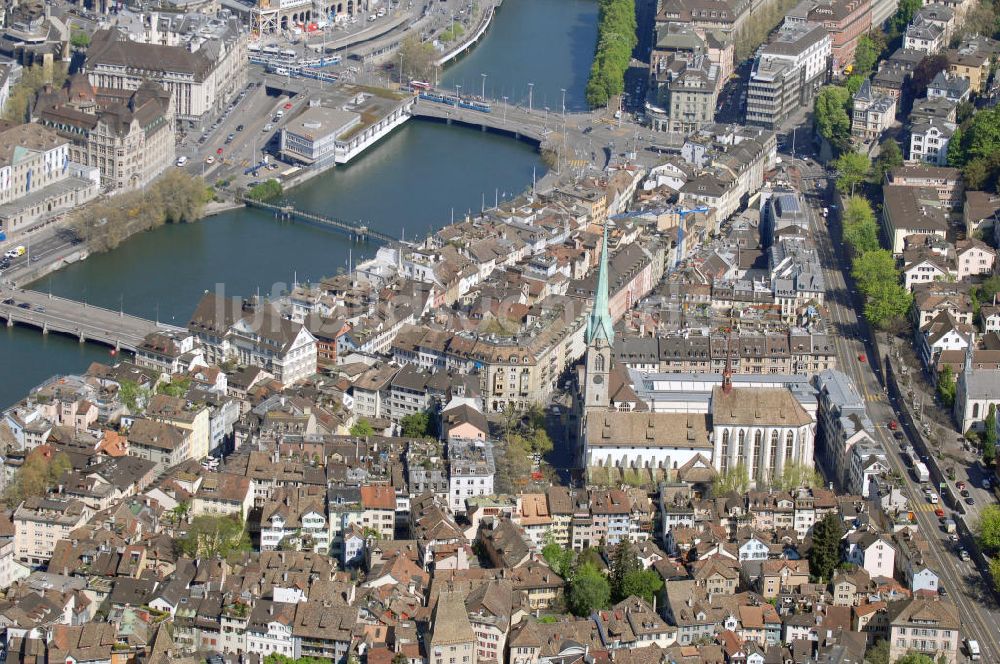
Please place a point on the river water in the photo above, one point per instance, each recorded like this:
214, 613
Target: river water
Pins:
411, 182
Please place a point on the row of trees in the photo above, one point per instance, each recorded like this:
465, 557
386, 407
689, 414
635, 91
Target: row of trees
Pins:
616, 37
589, 588
524, 440
174, 198
874, 269
832, 116
793, 476
266, 191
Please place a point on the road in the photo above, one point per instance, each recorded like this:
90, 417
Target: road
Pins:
965, 585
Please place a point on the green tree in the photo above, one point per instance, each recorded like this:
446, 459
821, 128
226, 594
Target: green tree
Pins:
903, 16
878, 653
415, 425
623, 563
266, 191
735, 479
80, 39
644, 583
889, 157
887, 304
854, 83
874, 268
588, 591
914, 658
616, 38
175, 388
824, 556
956, 149
988, 531
362, 429
867, 53
852, 169
946, 386
831, 116
513, 463
995, 572
559, 558
540, 442
860, 227
132, 395
210, 536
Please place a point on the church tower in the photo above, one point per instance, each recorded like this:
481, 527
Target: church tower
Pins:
600, 338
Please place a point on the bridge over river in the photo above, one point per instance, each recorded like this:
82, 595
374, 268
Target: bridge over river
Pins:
49, 313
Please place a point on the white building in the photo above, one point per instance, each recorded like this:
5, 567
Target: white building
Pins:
929, 138
471, 470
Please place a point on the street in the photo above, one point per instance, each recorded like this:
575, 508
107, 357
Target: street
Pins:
964, 584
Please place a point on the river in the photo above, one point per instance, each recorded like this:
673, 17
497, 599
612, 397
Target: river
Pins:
411, 182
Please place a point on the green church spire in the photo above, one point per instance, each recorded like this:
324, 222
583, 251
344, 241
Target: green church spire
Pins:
599, 326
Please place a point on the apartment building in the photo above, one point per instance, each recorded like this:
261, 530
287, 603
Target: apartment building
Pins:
927, 626
911, 211
929, 138
471, 471
787, 72
872, 114
40, 523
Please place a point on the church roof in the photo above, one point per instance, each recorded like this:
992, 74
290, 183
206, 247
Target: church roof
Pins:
757, 407
644, 429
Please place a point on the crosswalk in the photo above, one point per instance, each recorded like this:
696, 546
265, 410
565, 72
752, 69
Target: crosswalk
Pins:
876, 396
923, 507
578, 163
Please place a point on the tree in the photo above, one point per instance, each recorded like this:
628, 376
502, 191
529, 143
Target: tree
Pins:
623, 563
887, 304
915, 658
903, 16
874, 268
40, 472
995, 572
80, 39
889, 157
956, 151
854, 83
830, 113
946, 386
824, 556
418, 60
541, 443
415, 425
32, 80
735, 479
266, 191
362, 429
616, 38
988, 531
796, 475
990, 424
644, 583
867, 53
588, 591
211, 536
512, 459
558, 558
132, 395
878, 653
852, 169
924, 73
981, 19
860, 227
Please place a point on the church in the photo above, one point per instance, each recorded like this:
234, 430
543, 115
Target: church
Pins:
653, 426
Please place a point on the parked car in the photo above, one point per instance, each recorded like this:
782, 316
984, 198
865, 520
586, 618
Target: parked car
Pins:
898, 435
288, 106
9, 300
963, 554
239, 127
893, 425
965, 493
960, 485
970, 501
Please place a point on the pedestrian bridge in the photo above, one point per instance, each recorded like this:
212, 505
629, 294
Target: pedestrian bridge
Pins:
50, 313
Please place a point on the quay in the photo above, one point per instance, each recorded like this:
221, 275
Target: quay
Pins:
49, 313
467, 44
358, 232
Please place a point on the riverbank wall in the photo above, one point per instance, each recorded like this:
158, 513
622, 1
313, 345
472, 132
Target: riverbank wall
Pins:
477, 34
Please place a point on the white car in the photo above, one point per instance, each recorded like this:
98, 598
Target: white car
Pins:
268, 127
209, 160
182, 160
